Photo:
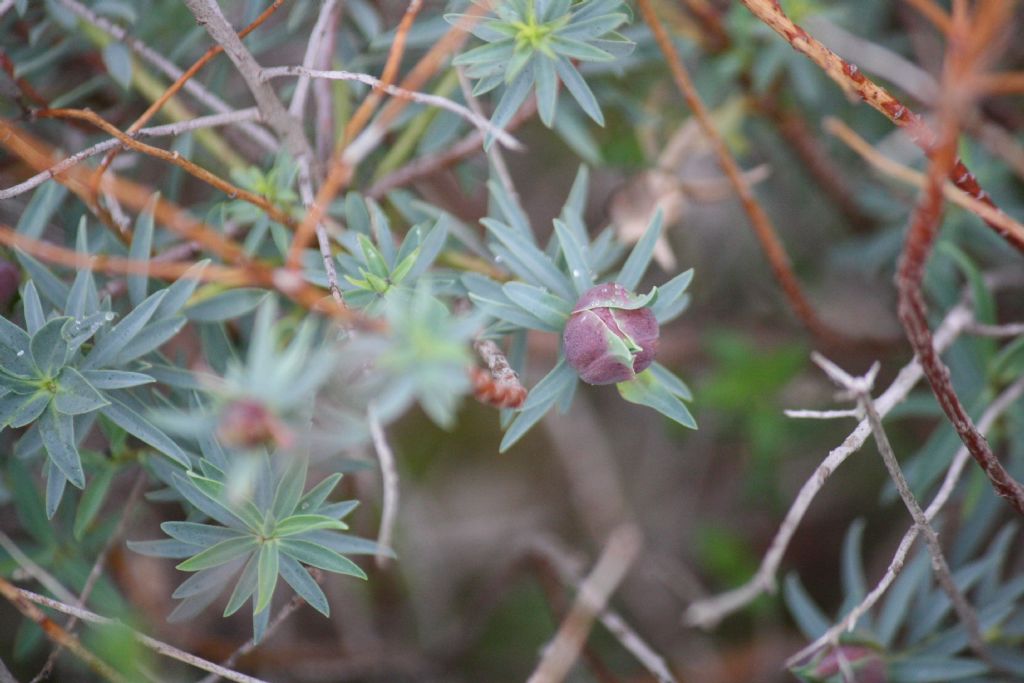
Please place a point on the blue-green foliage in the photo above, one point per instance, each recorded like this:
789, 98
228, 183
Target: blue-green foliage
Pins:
550, 280
532, 44
271, 531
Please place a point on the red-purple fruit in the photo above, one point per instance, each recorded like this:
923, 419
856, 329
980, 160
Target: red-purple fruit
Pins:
611, 335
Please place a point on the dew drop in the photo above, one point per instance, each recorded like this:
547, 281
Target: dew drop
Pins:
498, 259
575, 272
20, 353
109, 316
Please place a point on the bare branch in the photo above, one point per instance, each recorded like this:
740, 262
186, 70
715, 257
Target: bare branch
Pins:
621, 549
170, 129
988, 418
152, 643
569, 571
859, 388
208, 14
765, 232
19, 598
165, 66
389, 475
475, 118
317, 39
707, 613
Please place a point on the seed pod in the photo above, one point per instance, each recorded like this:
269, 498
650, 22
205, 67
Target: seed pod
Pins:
611, 335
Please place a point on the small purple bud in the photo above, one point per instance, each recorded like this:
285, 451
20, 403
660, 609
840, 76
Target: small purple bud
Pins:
611, 335
9, 280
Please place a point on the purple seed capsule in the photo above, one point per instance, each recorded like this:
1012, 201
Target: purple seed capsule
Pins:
611, 335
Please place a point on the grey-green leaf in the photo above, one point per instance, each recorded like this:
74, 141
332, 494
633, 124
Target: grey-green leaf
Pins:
140, 250
75, 395
107, 348
226, 305
58, 435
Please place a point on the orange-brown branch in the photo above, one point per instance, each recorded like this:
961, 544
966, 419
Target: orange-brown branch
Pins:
175, 158
763, 228
851, 80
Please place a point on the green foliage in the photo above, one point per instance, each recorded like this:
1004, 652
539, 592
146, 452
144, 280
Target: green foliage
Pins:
531, 45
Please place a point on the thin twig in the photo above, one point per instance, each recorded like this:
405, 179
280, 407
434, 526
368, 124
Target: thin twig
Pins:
822, 414
97, 568
295, 603
860, 389
427, 165
479, 121
196, 171
558, 657
960, 67
995, 409
569, 570
850, 78
161, 63
45, 579
908, 175
389, 477
22, 600
170, 129
175, 87
761, 223
708, 612
1007, 330
287, 127
153, 644
317, 39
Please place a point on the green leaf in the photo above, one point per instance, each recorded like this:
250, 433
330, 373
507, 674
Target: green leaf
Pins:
579, 89
289, 489
576, 257
56, 483
537, 302
514, 95
15, 357
218, 554
180, 291
75, 396
539, 401
316, 496
203, 535
150, 338
58, 435
297, 524
118, 60
245, 586
28, 504
635, 266
216, 492
45, 201
547, 89
646, 389
141, 248
142, 429
18, 410
79, 331
577, 49
808, 616
671, 298
116, 379
267, 582
227, 305
107, 348
318, 556
935, 670
92, 500
33, 307
303, 584
50, 286
49, 347
165, 547
669, 380
535, 265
